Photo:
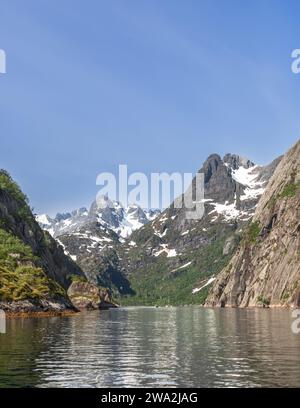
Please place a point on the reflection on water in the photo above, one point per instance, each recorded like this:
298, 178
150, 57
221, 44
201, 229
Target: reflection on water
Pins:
185, 346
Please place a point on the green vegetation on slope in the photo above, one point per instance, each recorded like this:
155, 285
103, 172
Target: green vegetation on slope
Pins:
9, 185
290, 190
157, 285
252, 232
22, 211
20, 279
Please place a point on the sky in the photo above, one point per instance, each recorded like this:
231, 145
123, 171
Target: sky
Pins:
157, 85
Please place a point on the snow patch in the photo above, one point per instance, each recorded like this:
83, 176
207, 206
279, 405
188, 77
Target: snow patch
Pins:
228, 211
159, 234
164, 249
182, 267
245, 176
211, 280
43, 219
172, 253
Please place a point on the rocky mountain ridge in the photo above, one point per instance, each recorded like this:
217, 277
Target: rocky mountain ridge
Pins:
111, 215
161, 260
266, 267
167, 258
174, 259
93, 239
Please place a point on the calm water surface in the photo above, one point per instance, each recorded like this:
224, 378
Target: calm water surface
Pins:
184, 346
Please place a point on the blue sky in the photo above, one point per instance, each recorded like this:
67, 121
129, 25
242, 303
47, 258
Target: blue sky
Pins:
157, 85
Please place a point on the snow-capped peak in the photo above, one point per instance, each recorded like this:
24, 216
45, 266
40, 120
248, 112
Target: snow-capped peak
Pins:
44, 220
123, 221
111, 215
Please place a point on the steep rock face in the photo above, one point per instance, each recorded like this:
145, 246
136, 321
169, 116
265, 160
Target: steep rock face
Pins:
266, 267
16, 217
33, 266
219, 184
174, 259
235, 161
84, 295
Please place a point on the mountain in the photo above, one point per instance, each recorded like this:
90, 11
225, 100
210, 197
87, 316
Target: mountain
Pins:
174, 260
34, 271
93, 238
265, 270
110, 215
165, 258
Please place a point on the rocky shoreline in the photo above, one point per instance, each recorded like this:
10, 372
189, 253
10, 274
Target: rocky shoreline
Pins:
38, 307
81, 296
272, 306
21, 311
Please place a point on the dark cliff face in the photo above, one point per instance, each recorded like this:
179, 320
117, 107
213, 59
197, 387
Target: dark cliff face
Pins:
235, 161
170, 259
219, 184
265, 271
17, 218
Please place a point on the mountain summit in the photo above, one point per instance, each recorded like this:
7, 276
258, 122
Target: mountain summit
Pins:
108, 214
165, 257
173, 259
266, 269
92, 238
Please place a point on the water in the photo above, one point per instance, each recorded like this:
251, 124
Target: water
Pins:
155, 347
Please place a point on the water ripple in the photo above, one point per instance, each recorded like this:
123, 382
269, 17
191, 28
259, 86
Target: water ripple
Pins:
158, 347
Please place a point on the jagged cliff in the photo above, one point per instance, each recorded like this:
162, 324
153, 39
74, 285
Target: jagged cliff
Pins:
266, 267
174, 260
34, 271
165, 258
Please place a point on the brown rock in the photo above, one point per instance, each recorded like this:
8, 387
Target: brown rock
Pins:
85, 295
